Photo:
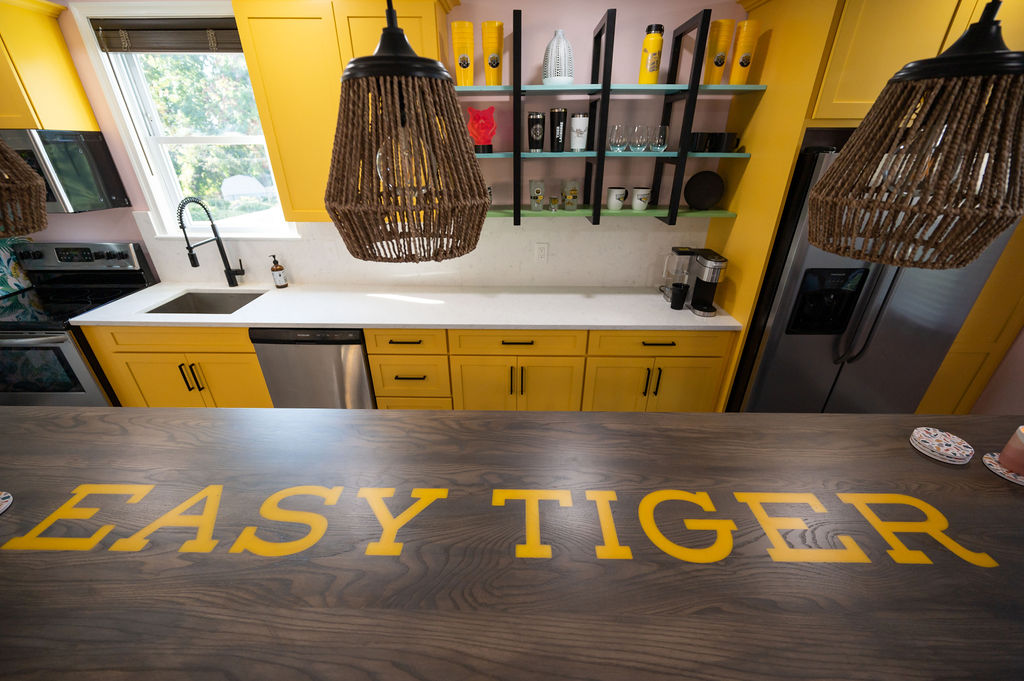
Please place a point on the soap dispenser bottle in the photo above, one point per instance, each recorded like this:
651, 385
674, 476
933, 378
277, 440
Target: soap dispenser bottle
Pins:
277, 270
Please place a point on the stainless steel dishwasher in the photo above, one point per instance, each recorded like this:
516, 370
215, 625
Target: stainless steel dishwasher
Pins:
315, 368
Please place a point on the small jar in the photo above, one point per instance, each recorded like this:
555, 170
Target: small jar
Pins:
1012, 456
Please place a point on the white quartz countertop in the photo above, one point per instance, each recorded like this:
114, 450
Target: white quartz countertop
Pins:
382, 307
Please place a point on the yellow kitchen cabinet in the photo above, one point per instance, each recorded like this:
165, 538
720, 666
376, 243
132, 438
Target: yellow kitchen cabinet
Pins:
424, 21
39, 86
409, 368
874, 40
513, 383
291, 51
179, 366
296, 51
663, 371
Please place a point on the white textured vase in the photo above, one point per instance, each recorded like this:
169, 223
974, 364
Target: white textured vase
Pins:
558, 62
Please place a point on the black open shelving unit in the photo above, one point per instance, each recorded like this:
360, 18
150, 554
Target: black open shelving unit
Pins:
600, 90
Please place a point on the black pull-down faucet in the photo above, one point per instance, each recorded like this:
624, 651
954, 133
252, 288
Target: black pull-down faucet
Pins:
229, 272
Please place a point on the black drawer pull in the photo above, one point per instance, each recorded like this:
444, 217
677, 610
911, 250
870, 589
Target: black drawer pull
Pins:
669, 344
181, 368
192, 370
657, 382
647, 383
522, 380
511, 380
392, 341
410, 378
505, 342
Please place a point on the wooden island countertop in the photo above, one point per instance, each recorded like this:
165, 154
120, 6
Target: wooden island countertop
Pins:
317, 544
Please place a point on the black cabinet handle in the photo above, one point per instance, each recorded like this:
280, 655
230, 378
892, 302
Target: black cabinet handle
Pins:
505, 342
670, 344
410, 378
392, 341
647, 383
181, 368
657, 382
522, 380
511, 380
192, 370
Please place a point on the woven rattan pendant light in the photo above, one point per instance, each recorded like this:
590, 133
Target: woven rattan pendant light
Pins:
936, 169
405, 185
22, 196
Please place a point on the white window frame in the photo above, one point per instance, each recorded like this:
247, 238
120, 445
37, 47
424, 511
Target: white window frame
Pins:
143, 150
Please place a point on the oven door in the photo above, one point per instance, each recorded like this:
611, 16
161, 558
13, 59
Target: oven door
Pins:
45, 368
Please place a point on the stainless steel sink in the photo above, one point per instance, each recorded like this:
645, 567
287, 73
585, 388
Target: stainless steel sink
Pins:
207, 302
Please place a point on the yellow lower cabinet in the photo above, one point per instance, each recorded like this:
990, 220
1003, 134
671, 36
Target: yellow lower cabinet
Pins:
617, 383
229, 380
517, 383
685, 383
444, 403
157, 379
150, 366
484, 382
410, 375
152, 379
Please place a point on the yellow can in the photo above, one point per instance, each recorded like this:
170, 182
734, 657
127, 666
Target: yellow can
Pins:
650, 56
719, 37
462, 45
747, 33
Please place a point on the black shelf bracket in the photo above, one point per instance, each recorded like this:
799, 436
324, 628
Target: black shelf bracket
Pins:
700, 23
517, 116
597, 131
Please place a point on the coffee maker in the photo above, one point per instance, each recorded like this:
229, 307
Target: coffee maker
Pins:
700, 269
706, 271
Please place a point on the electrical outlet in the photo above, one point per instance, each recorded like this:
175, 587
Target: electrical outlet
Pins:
540, 252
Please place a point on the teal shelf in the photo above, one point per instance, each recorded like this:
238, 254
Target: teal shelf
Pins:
672, 154
500, 90
580, 89
718, 154
585, 210
495, 154
527, 155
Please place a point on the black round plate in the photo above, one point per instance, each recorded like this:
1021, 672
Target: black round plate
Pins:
704, 190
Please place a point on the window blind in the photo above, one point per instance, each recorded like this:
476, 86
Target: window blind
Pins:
208, 34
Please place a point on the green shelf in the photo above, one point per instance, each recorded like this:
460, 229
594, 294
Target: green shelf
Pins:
527, 155
585, 210
616, 88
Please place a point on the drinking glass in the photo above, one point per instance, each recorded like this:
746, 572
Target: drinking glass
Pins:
638, 141
659, 138
617, 137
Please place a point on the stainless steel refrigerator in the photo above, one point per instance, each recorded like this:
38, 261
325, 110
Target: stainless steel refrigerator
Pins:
833, 334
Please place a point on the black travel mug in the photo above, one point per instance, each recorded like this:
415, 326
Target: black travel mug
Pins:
678, 299
535, 130
559, 118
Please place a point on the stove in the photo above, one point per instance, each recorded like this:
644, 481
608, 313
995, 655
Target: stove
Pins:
43, 359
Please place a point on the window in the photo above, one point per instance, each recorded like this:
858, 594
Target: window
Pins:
187, 92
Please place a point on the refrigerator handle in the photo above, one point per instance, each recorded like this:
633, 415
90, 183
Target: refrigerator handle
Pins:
874, 323
843, 346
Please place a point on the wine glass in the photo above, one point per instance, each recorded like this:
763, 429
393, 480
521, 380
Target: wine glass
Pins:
638, 140
659, 138
617, 137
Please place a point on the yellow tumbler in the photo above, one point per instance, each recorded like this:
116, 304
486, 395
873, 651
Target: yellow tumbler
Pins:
493, 35
462, 45
747, 33
719, 37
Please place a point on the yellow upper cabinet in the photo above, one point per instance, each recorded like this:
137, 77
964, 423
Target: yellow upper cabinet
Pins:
424, 22
875, 39
296, 51
39, 86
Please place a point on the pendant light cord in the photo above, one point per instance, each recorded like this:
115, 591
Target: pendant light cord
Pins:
392, 16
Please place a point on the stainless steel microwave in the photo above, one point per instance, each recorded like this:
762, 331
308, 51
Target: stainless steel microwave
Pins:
79, 171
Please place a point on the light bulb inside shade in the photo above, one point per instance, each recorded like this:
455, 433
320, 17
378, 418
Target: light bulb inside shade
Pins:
407, 169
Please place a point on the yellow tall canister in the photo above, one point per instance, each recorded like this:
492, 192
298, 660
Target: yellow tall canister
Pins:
462, 45
650, 56
747, 33
492, 34
719, 37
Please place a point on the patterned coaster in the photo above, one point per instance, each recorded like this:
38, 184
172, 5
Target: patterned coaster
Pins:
933, 441
992, 462
958, 461
5, 501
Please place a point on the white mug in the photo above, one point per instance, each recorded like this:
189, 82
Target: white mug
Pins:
641, 195
616, 197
